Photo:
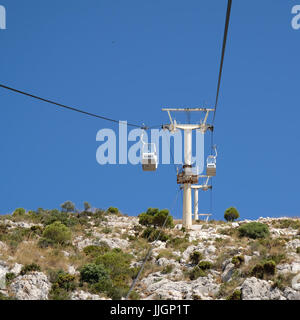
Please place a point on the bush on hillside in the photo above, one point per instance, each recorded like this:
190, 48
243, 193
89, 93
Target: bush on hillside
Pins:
236, 295
238, 260
151, 234
30, 268
19, 212
156, 217
196, 257
93, 273
264, 268
95, 251
254, 230
112, 210
57, 233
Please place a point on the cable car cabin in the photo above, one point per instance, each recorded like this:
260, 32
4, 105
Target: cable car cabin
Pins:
211, 166
149, 159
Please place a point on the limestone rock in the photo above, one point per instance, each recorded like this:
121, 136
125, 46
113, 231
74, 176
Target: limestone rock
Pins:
16, 269
296, 282
291, 294
228, 272
82, 295
33, 286
256, 289
3, 272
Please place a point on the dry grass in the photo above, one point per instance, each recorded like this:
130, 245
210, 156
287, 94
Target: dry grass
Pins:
49, 258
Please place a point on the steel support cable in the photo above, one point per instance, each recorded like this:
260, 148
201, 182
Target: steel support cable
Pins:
223, 54
150, 250
72, 108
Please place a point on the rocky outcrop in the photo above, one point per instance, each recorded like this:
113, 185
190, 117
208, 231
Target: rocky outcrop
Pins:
256, 289
33, 286
228, 272
3, 271
83, 295
158, 287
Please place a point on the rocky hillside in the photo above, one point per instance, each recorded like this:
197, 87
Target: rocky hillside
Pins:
50, 254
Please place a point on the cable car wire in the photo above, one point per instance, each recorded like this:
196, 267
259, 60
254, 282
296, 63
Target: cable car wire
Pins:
223, 54
72, 108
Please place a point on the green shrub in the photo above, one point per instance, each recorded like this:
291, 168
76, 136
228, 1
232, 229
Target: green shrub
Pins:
30, 268
264, 268
156, 217
196, 273
15, 236
45, 243
287, 223
93, 273
3, 297
178, 243
196, 257
238, 260
116, 262
258, 271
151, 234
134, 295
205, 265
94, 251
107, 230
269, 267
9, 277
19, 212
166, 253
51, 216
254, 230
168, 269
57, 232
113, 210
37, 230
64, 280
58, 294
231, 214
298, 250
236, 295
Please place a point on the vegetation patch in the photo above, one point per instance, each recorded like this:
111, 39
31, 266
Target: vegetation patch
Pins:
238, 260
263, 269
30, 268
156, 217
287, 223
152, 234
196, 257
177, 243
236, 295
56, 233
254, 230
62, 284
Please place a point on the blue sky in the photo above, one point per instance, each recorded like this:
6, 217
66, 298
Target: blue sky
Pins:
127, 60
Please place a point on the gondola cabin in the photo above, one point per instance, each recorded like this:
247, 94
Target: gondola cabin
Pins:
149, 158
211, 166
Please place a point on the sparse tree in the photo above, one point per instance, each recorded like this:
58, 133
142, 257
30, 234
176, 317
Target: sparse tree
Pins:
231, 214
87, 206
68, 206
